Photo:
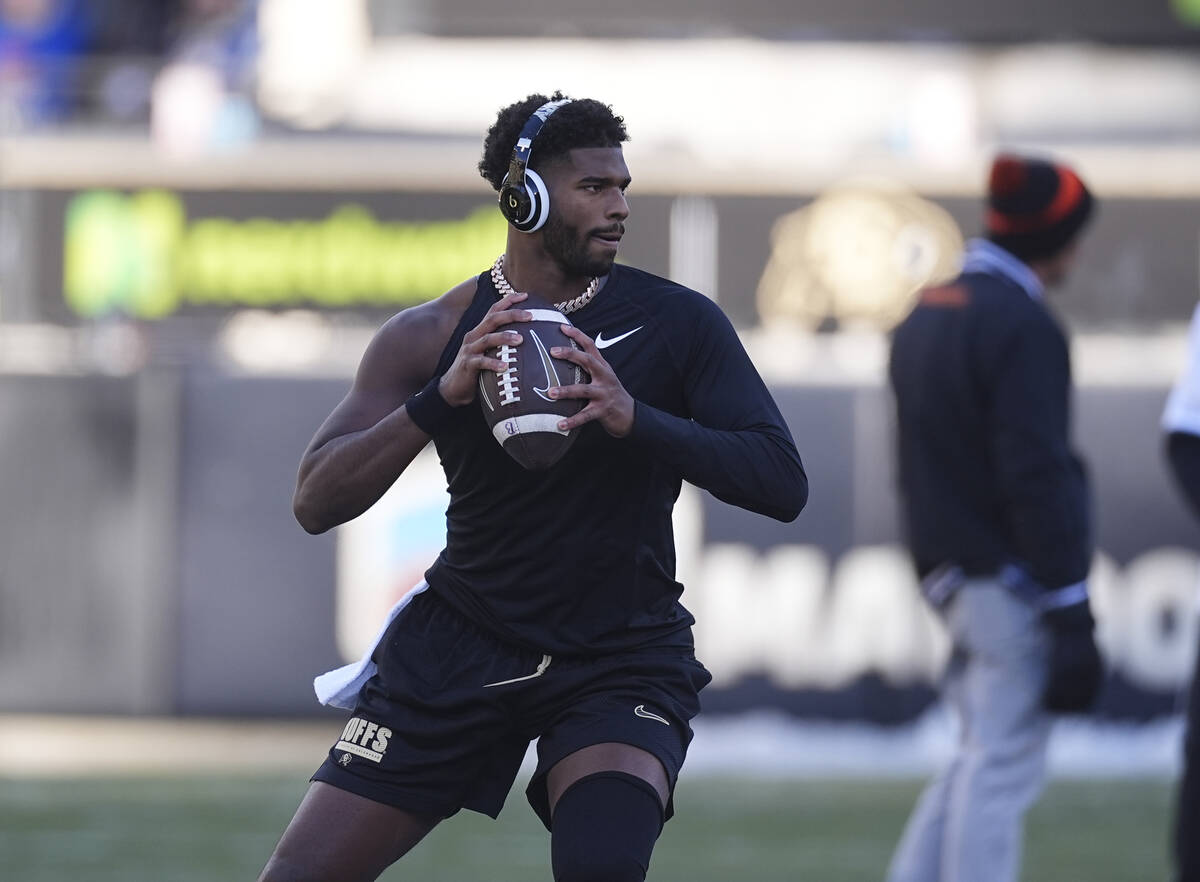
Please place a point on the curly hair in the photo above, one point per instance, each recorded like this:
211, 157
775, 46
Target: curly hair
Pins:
582, 123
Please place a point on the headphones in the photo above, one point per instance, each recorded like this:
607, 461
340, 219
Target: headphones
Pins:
524, 199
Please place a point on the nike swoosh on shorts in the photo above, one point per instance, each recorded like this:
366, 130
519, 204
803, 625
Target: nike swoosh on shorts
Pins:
640, 711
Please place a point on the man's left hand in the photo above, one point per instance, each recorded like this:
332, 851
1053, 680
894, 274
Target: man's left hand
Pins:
607, 401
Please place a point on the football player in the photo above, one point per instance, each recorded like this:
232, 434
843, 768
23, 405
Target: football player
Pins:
553, 611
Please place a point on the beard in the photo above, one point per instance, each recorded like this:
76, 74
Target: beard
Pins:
568, 248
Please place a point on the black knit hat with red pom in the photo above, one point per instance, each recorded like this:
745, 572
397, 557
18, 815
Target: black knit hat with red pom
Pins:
1035, 208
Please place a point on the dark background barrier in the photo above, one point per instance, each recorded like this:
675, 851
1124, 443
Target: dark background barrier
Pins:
150, 562
87, 582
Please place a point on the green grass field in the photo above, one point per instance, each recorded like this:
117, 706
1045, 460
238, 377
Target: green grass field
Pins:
188, 829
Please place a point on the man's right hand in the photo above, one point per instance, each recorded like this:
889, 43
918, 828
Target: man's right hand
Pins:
459, 384
1076, 670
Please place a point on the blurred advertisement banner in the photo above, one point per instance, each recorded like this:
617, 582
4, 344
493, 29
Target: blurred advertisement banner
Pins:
146, 256
848, 257
158, 253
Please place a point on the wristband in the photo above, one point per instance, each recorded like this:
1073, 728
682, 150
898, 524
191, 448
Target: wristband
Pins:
428, 410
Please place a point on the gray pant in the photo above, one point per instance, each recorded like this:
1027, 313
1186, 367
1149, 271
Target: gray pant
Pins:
967, 824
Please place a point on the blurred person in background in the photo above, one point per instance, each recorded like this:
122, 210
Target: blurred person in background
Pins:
997, 517
553, 612
1181, 423
201, 98
41, 72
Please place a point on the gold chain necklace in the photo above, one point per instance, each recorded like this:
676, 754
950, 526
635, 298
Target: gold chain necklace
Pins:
566, 307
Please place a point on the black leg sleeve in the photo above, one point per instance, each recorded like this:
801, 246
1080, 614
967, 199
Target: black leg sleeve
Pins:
604, 829
1183, 453
1187, 807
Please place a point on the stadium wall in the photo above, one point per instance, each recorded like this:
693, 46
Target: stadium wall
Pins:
140, 579
149, 562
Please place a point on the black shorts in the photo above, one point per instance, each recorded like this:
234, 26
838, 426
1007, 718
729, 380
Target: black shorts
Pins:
445, 722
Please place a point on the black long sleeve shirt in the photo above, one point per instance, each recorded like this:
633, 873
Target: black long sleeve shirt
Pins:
580, 558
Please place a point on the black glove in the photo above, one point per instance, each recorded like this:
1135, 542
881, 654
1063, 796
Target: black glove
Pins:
1075, 668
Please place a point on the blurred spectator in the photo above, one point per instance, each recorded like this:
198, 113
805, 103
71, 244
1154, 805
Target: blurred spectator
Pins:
41, 44
131, 38
201, 97
219, 34
1181, 422
997, 516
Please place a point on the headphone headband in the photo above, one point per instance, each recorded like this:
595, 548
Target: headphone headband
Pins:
524, 145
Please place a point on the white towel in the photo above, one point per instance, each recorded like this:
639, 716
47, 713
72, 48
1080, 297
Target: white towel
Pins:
339, 687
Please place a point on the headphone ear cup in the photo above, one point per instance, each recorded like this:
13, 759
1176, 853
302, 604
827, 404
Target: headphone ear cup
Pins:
514, 202
532, 203
539, 201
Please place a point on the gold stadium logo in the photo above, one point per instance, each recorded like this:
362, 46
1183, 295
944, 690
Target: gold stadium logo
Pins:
856, 255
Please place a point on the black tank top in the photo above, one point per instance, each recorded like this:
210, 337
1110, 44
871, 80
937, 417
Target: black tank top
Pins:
580, 558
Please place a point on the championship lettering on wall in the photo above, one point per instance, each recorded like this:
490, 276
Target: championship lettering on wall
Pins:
822, 617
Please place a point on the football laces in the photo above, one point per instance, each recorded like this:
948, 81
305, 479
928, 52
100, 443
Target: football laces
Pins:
506, 380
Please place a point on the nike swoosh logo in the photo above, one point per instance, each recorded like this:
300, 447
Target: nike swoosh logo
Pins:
601, 343
547, 366
640, 710
484, 393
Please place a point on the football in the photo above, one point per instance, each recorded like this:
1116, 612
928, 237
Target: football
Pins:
523, 419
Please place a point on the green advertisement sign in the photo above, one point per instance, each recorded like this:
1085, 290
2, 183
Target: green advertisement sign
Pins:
1187, 11
141, 255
